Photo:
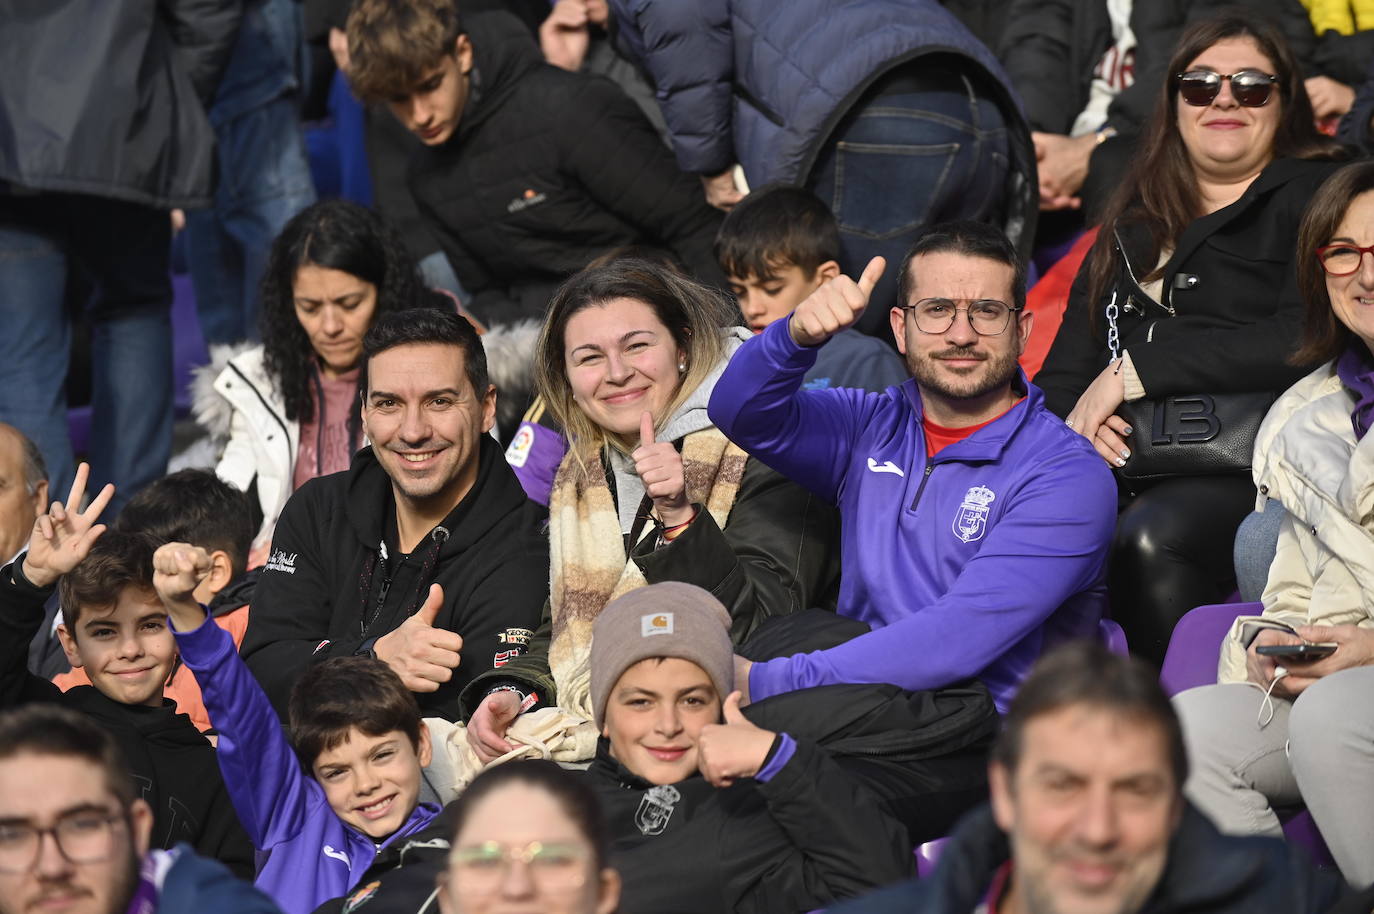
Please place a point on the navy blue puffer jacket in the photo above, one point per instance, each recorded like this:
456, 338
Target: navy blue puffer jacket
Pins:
764, 82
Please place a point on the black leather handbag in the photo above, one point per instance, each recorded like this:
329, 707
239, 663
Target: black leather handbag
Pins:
1193, 434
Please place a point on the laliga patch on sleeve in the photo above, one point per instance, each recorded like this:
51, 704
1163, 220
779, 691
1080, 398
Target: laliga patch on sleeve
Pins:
656, 624
520, 445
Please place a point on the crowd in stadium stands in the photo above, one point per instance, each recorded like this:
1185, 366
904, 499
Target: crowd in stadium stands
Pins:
687, 456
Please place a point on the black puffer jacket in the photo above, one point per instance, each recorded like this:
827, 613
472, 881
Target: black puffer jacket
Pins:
1207, 873
1231, 312
547, 171
816, 831
105, 97
328, 589
1050, 48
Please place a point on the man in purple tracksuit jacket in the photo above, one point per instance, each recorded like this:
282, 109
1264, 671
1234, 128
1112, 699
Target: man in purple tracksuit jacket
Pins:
975, 523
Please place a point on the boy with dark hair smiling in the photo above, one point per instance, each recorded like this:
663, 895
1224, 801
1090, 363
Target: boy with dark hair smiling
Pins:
779, 245
115, 628
196, 506
355, 728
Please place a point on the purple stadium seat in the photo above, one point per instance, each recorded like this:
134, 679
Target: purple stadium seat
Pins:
927, 855
1114, 636
1191, 659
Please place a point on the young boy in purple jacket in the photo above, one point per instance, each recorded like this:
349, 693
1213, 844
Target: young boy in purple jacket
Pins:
354, 726
975, 523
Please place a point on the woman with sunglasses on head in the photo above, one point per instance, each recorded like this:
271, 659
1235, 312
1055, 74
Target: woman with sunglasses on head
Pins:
1189, 292
1309, 739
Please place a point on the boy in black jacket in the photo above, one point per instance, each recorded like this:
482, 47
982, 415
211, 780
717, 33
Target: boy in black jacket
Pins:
531, 172
196, 507
115, 627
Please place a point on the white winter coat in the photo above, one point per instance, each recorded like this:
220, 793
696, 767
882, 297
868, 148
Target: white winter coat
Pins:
1306, 456
243, 408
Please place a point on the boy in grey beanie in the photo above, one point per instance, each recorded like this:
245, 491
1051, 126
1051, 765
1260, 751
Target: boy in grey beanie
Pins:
670, 619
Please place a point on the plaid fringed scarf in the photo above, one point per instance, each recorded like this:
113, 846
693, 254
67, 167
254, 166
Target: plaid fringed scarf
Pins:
589, 562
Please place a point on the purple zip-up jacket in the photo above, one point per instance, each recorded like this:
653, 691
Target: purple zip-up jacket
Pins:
314, 855
968, 564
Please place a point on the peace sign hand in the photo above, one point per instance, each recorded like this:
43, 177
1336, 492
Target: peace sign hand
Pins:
63, 536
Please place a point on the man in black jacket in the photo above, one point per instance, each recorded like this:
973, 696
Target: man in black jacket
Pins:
530, 172
1088, 815
426, 553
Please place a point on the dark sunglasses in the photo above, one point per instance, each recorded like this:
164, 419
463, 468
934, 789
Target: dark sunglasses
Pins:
1250, 88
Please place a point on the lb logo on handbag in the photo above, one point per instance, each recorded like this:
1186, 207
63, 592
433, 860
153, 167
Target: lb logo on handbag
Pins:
1184, 420
1193, 434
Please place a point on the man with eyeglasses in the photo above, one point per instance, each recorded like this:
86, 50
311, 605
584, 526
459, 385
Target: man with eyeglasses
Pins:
975, 523
74, 833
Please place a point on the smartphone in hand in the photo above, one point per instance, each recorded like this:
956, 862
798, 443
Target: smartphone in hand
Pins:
1298, 653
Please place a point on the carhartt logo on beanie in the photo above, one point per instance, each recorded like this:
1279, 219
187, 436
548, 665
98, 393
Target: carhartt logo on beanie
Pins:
670, 619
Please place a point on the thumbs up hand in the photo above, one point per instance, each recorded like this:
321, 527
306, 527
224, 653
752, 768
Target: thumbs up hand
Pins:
659, 466
422, 655
734, 749
835, 306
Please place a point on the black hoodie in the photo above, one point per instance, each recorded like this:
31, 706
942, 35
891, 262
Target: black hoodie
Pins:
172, 763
330, 589
547, 171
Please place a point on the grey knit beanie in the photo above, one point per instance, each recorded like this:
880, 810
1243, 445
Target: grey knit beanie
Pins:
670, 619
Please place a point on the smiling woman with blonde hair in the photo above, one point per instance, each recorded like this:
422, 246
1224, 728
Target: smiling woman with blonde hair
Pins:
650, 490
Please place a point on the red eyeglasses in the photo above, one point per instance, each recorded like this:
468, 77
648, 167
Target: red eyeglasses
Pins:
1343, 258
1250, 88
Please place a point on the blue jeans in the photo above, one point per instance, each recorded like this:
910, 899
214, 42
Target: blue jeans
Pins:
903, 160
263, 177
1256, 542
123, 248
437, 273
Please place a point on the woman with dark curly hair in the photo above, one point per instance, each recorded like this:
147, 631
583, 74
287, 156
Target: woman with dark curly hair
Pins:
287, 408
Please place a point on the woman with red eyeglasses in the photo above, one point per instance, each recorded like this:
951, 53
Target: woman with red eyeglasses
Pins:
1187, 300
1296, 727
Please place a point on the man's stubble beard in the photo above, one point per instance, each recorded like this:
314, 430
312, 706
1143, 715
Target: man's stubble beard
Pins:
998, 371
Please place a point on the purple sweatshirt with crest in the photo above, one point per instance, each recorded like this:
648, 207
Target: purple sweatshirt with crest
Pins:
967, 564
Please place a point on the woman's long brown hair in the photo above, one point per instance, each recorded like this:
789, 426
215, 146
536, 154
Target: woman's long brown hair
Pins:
1160, 190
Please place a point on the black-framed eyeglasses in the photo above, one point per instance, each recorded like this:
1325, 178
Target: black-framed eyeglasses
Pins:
1343, 258
84, 836
1250, 88
987, 316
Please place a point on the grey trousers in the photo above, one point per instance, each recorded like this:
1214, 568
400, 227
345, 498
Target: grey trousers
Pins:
1317, 751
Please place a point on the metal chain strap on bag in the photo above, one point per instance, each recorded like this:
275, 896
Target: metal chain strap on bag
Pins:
1187, 434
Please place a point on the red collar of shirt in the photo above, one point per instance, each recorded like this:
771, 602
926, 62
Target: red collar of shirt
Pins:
938, 437
997, 892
